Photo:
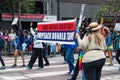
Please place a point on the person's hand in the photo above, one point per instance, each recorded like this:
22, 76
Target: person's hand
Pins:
78, 48
31, 24
77, 36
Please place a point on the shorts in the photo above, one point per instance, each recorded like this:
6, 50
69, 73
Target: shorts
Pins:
19, 47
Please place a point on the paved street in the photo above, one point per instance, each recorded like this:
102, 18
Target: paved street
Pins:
56, 71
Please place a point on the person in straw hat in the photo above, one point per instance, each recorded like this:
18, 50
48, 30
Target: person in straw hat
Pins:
93, 44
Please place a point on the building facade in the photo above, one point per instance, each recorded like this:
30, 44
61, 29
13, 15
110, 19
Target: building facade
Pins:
71, 8
64, 9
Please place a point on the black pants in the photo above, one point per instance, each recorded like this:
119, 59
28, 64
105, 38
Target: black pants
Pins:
37, 52
92, 70
2, 61
76, 70
45, 58
117, 56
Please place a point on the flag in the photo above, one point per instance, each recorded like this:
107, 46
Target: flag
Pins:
80, 60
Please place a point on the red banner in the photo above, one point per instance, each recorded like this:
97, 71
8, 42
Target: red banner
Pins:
57, 26
57, 32
25, 16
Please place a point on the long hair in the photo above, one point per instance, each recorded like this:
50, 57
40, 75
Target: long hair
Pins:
97, 36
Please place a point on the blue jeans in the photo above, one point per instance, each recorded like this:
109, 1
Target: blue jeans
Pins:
12, 43
70, 58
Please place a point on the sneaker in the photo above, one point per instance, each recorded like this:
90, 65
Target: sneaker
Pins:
68, 73
65, 62
119, 69
47, 64
23, 65
110, 64
29, 68
39, 68
2, 68
72, 72
14, 65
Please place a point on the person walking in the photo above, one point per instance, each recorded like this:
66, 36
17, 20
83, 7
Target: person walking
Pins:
83, 30
44, 55
108, 40
19, 42
1, 48
93, 44
117, 46
69, 51
11, 39
37, 51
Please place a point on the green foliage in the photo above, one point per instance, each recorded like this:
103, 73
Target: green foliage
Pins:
111, 8
12, 6
27, 6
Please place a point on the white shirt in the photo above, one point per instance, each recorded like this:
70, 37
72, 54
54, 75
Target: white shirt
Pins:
36, 42
1, 34
12, 36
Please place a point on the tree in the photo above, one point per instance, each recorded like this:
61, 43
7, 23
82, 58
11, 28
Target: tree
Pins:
12, 6
111, 8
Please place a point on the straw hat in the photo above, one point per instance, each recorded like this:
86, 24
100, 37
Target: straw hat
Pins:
94, 26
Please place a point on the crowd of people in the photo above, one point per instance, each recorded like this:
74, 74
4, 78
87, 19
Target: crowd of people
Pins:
93, 41
19, 42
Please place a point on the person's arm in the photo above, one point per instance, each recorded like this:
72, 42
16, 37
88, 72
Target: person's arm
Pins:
31, 29
83, 43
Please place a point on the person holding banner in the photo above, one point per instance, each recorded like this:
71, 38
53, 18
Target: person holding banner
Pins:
83, 30
37, 51
69, 51
93, 44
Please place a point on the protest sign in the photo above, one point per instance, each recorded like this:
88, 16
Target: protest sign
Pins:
57, 32
117, 27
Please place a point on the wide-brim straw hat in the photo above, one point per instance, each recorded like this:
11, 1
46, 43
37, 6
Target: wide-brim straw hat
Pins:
94, 26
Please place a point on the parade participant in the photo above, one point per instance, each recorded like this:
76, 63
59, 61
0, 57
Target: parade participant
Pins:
19, 42
108, 40
117, 46
93, 45
1, 47
11, 39
44, 55
37, 51
1, 33
69, 51
83, 30
106, 33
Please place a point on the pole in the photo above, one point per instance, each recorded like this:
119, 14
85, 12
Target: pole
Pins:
19, 13
58, 9
81, 17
